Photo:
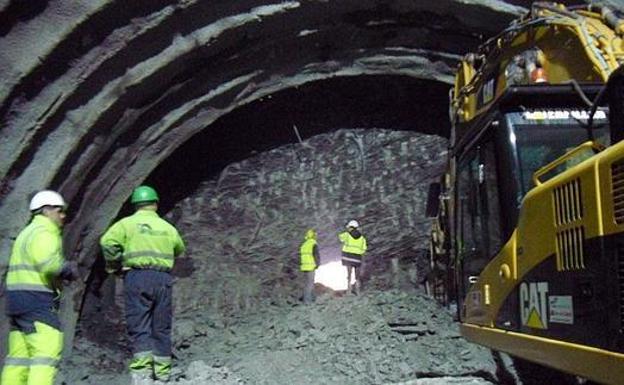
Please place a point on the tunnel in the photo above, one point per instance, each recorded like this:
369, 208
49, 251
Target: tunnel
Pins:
101, 96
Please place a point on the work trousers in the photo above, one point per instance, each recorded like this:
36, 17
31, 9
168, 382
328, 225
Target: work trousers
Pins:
33, 354
353, 263
148, 320
353, 270
308, 288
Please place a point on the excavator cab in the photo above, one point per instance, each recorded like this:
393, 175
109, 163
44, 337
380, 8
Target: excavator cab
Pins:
536, 181
533, 218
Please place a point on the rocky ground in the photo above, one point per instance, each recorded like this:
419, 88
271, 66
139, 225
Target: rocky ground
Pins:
379, 337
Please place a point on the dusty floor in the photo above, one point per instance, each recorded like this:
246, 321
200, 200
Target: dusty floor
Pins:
391, 337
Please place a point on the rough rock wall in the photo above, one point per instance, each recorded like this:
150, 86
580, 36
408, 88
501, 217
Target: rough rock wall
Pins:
244, 228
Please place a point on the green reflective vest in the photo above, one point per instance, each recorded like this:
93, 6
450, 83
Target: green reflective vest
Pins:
37, 257
142, 241
352, 245
307, 255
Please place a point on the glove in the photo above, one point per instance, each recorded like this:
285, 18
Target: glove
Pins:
69, 271
113, 267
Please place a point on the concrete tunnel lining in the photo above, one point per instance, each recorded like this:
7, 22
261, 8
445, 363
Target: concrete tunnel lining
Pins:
94, 117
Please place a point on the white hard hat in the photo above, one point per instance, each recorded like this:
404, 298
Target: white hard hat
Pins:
46, 198
353, 223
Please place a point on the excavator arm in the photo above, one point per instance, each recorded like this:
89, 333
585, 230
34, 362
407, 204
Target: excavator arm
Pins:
551, 44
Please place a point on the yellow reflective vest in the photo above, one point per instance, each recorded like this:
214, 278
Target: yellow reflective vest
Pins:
142, 241
37, 257
307, 255
351, 245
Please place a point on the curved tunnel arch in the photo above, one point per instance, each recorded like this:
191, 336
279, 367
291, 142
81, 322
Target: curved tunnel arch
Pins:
113, 90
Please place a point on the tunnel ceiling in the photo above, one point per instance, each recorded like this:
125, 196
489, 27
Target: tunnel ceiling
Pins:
98, 96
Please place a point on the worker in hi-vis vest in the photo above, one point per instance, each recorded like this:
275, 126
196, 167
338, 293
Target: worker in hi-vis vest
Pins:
33, 282
310, 261
353, 249
142, 248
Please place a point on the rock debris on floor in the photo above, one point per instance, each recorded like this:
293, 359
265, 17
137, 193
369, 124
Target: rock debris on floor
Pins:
379, 337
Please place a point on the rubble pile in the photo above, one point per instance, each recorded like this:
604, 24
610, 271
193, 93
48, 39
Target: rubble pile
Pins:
378, 337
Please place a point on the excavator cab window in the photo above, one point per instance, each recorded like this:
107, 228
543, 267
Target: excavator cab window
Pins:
542, 137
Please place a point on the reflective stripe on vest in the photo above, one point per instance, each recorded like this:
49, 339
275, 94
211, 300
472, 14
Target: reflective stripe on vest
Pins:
352, 245
25, 272
353, 260
147, 242
149, 259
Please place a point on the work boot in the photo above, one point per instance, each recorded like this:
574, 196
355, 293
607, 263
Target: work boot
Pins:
162, 380
141, 379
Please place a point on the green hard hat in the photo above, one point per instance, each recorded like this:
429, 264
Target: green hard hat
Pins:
144, 194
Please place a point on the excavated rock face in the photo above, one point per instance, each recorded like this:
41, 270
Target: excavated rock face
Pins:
100, 96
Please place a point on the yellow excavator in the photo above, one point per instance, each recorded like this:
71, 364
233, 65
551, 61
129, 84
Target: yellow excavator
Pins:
528, 236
